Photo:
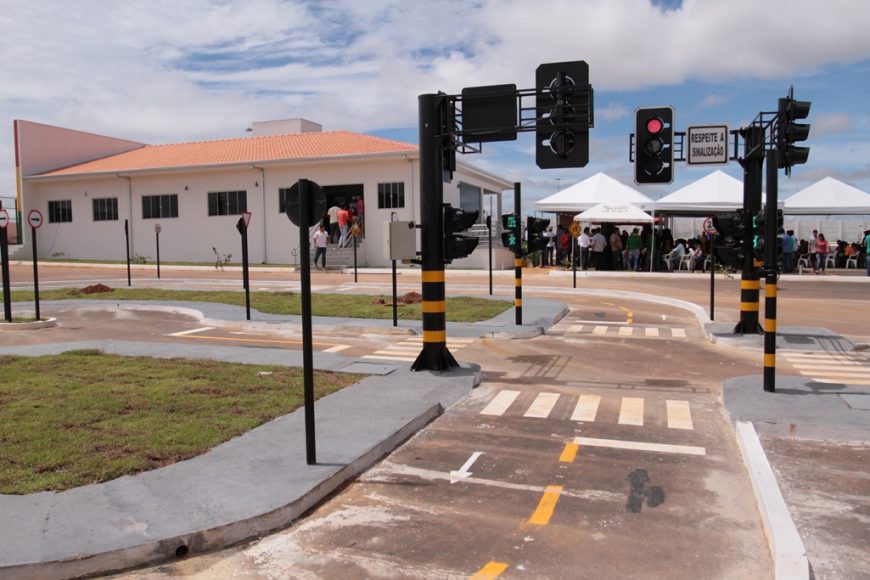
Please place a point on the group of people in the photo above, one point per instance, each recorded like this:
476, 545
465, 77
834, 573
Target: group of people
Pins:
606, 248
339, 221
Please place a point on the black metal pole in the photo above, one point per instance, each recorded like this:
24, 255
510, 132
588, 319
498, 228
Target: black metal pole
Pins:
712, 274
752, 180
395, 297
770, 267
35, 272
574, 259
305, 297
489, 233
127, 246
433, 139
518, 258
7, 291
246, 282
157, 240
354, 261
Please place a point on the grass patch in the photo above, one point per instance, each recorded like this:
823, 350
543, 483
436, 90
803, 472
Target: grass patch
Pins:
86, 417
459, 309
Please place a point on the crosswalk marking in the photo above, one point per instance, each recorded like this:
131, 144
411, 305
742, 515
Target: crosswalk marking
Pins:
679, 416
651, 331
409, 349
500, 403
640, 446
631, 411
587, 408
678, 333
623, 330
599, 330
626, 331
337, 348
831, 367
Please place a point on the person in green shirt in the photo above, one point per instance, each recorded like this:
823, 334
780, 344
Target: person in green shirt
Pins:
634, 244
867, 250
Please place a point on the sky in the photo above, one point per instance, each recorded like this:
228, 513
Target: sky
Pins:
163, 71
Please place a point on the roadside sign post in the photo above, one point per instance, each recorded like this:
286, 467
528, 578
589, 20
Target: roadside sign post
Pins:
4, 257
708, 145
127, 247
157, 230
34, 218
711, 235
242, 226
489, 233
574, 228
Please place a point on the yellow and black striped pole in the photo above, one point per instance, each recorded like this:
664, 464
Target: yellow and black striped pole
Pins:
752, 162
770, 267
434, 137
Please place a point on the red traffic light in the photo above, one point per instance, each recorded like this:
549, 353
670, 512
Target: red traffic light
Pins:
654, 126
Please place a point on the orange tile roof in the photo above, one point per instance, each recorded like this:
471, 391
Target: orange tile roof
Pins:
239, 151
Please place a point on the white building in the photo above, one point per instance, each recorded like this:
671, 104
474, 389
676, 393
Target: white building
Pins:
87, 185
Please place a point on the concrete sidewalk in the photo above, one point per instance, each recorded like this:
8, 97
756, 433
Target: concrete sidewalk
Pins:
252, 484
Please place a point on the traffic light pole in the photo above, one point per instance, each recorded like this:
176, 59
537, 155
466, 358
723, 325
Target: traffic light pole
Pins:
749, 281
770, 267
434, 356
518, 258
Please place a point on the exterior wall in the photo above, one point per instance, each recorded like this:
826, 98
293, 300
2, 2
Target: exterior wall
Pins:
272, 238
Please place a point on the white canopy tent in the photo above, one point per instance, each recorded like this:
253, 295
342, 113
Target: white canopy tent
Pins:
597, 189
828, 197
619, 213
717, 192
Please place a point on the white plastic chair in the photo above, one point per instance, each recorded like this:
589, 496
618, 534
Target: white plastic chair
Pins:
852, 261
688, 261
831, 260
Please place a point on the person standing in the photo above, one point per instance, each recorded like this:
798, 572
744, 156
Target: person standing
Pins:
343, 223
821, 253
585, 241
361, 215
867, 250
321, 239
616, 250
788, 248
332, 212
811, 245
634, 243
599, 242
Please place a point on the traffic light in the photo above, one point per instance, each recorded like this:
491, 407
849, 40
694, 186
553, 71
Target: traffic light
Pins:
563, 112
535, 227
732, 228
455, 221
788, 132
509, 237
654, 139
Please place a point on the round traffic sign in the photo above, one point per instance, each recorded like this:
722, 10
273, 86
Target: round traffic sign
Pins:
157, 228
4, 218
316, 203
708, 226
34, 218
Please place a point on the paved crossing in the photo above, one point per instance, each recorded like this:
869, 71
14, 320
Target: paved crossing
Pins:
623, 331
847, 368
409, 349
585, 408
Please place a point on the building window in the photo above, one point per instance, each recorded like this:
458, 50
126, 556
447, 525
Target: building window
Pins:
105, 209
391, 195
60, 211
282, 199
159, 206
227, 202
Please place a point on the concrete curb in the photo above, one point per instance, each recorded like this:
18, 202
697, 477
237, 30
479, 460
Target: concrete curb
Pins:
35, 325
785, 544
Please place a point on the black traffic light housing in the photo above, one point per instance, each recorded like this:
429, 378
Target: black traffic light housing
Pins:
535, 227
563, 106
732, 228
789, 132
458, 220
654, 144
509, 237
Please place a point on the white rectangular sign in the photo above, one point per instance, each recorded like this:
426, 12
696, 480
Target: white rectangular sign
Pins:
708, 145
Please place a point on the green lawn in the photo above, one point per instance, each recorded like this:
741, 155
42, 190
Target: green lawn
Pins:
85, 417
459, 309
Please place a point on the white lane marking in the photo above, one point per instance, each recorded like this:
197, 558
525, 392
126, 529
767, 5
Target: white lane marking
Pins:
463, 472
599, 330
542, 405
337, 348
193, 331
388, 357
575, 328
651, 331
640, 446
500, 403
678, 333
626, 330
587, 408
679, 415
631, 411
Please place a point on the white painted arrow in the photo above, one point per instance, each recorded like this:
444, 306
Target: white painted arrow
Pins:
463, 471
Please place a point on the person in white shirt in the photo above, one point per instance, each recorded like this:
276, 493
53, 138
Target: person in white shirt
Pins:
674, 256
599, 242
585, 241
321, 239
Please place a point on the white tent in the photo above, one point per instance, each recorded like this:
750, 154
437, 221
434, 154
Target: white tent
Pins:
619, 213
599, 188
716, 192
828, 197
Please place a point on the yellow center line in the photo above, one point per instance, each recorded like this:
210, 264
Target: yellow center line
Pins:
569, 452
259, 340
491, 570
546, 506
